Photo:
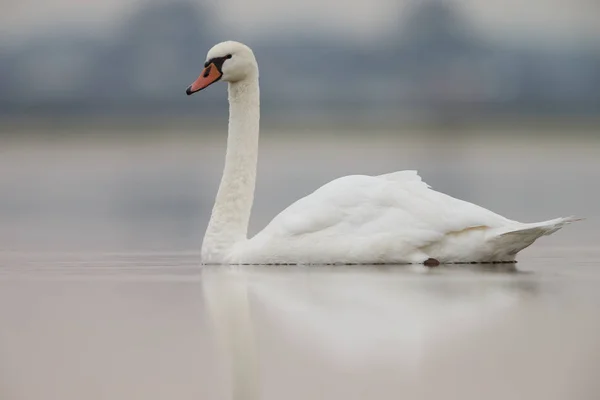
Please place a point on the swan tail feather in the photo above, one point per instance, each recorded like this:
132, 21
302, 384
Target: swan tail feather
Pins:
544, 228
508, 244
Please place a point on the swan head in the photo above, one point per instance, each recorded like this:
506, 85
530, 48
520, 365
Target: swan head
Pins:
227, 61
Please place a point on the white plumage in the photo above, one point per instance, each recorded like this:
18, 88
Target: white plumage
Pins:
391, 218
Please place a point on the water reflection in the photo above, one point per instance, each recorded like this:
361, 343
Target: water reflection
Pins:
336, 332
158, 326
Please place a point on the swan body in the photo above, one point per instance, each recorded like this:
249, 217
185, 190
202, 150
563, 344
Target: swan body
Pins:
358, 219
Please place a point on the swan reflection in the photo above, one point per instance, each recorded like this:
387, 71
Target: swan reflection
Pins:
294, 325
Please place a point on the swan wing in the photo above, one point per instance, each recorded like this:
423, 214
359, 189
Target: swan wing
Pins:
367, 218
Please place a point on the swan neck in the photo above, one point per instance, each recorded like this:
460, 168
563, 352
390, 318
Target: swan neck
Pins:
231, 213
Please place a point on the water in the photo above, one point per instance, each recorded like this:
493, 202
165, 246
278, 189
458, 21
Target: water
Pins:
118, 191
157, 326
102, 295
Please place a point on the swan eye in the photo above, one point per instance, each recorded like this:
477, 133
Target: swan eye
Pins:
228, 56
206, 64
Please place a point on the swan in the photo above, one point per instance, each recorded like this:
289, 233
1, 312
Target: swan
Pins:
357, 219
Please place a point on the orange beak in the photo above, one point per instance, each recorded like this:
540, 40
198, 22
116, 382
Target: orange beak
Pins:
209, 75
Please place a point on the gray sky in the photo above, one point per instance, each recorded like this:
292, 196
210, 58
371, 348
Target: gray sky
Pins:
354, 19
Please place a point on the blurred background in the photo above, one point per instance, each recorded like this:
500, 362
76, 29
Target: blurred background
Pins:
495, 102
103, 155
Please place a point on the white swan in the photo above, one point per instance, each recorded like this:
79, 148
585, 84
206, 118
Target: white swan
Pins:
391, 218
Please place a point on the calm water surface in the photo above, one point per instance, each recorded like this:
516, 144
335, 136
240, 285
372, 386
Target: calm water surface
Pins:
158, 326
102, 295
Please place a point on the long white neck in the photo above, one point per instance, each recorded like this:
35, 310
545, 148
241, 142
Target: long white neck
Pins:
231, 213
